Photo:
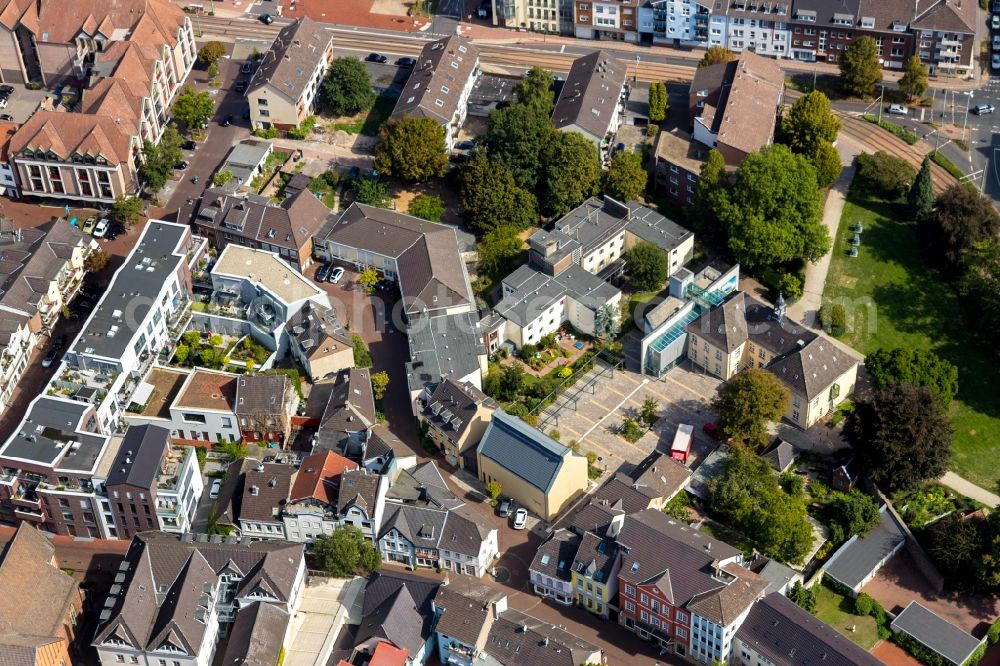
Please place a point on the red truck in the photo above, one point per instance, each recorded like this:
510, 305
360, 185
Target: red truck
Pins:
681, 447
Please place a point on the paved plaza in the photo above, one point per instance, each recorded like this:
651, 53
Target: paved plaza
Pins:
593, 409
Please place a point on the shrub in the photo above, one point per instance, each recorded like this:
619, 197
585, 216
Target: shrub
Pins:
886, 175
833, 318
528, 350
898, 131
362, 358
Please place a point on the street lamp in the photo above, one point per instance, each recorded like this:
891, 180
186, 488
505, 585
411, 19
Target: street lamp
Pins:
968, 104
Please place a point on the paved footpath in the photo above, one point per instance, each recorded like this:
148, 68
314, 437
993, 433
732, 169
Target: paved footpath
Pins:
969, 489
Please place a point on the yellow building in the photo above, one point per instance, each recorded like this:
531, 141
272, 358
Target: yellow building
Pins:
744, 333
534, 470
594, 574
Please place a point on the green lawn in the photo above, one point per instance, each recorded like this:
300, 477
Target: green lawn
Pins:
836, 610
894, 299
369, 123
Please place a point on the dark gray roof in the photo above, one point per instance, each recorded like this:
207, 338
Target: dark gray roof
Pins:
825, 10
125, 303
292, 58
780, 455
430, 269
597, 515
460, 617
774, 572
49, 435
399, 608
858, 558
30, 259
358, 487
423, 486
724, 326
596, 557
445, 346
464, 532
257, 636
452, 406
555, 556
936, 633
265, 490
809, 370
262, 394
591, 94
790, 636
434, 88
650, 226
351, 408
315, 329
139, 456
535, 292
421, 526
656, 477
526, 452
244, 157
519, 639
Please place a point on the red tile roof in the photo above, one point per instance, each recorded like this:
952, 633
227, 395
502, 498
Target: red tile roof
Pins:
318, 477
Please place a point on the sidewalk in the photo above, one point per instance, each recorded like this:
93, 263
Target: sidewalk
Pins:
969, 489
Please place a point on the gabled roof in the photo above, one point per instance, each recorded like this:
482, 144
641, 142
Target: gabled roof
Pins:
397, 608
517, 638
596, 557
780, 455
65, 134
946, 16
421, 526
936, 633
452, 407
297, 51
858, 558
434, 88
351, 408
464, 532
358, 487
811, 369
257, 636
37, 593
139, 456
724, 326
724, 605
319, 477
591, 94
554, 558
461, 616
790, 636
265, 491
262, 394
524, 451
317, 331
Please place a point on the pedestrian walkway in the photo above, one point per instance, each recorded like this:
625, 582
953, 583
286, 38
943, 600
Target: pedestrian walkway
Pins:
969, 489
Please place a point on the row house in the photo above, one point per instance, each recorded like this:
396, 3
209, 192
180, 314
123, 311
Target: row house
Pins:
265, 405
455, 416
125, 62
285, 87
591, 102
8, 174
311, 507
42, 270
440, 84
176, 597
549, 16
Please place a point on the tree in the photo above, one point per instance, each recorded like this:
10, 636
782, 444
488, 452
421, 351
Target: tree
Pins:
860, 70
491, 197
809, 123
372, 191
369, 279
803, 596
902, 435
658, 104
913, 82
511, 381
211, 52
427, 207
980, 286
493, 490
920, 197
213, 71
380, 382
181, 353
916, 367
748, 402
709, 189
772, 213
833, 318
97, 260
570, 172
535, 90
220, 178
362, 357
411, 149
606, 324
961, 217
647, 266
715, 55
886, 175
515, 138
159, 159
497, 250
347, 88
852, 513
193, 109
648, 410
625, 178
826, 161
346, 552
126, 210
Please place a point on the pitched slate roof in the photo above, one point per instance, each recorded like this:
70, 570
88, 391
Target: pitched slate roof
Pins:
656, 477
597, 515
464, 532
526, 452
422, 526
318, 477
809, 370
780, 455
556, 555
790, 636
936, 633
724, 326
262, 394
139, 456
590, 96
351, 408
946, 16
397, 608
434, 88
296, 52
858, 558
723, 605
517, 638
453, 405
461, 616
358, 487
317, 331
265, 491
257, 636
595, 557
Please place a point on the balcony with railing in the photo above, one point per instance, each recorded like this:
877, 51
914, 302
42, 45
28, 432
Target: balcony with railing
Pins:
25, 498
35, 516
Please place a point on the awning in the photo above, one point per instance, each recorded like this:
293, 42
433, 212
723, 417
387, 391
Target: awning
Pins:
142, 394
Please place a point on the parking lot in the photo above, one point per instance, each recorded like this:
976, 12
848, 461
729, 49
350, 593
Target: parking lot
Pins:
594, 407
22, 103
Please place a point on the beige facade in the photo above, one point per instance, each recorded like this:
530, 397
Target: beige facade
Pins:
467, 440
570, 483
327, 361
805, 413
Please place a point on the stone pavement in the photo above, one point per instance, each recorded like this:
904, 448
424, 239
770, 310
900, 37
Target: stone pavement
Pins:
969, 489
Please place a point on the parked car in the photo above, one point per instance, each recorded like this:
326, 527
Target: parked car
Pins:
466, 145
996, 42
216, 489
336, 274
89, 224
897, 110
505, 508
983, 109
3, 102
6, 90
996, 61
240, 86
189, 145
406, 62
995, 21
49, 359
102, 228
323, 273
520, 519
7, 117
711, 430
183, 164
228, 120
266, 19
59, 343
377, 57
